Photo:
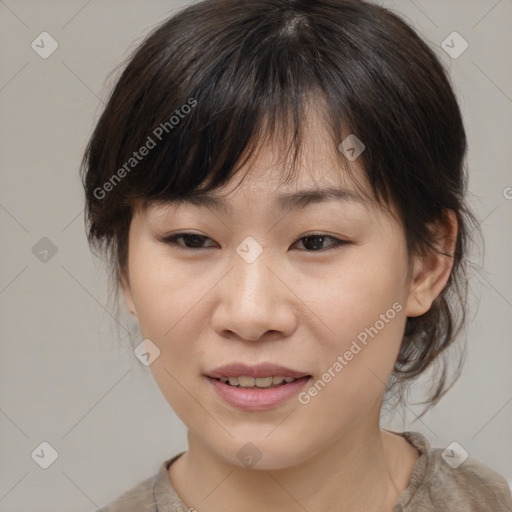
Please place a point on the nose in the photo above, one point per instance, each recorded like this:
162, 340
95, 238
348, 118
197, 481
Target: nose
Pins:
254, 303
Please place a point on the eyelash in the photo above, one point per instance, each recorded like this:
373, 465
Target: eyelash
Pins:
173, 240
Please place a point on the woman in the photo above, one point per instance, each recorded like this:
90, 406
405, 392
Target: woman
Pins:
279, 187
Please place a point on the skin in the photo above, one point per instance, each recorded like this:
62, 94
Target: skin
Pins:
206, 307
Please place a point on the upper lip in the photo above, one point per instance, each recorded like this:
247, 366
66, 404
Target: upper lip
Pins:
260, 370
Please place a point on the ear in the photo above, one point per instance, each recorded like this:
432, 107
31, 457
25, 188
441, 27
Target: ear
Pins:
431, 271
127, 292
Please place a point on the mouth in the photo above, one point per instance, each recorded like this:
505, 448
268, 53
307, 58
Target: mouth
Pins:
256, 388
246, 382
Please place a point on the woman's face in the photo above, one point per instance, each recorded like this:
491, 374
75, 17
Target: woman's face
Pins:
251, 291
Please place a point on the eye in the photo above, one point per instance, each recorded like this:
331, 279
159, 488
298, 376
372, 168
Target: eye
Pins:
310, 243
188, 241
316, 242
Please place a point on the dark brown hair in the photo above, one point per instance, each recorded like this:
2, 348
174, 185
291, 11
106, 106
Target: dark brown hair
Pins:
211, 82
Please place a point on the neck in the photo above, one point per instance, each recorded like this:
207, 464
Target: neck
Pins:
365, 469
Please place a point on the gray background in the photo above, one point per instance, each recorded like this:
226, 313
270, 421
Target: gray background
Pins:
67, 377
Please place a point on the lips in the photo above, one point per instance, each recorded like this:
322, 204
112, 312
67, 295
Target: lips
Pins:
255, 371
256, 398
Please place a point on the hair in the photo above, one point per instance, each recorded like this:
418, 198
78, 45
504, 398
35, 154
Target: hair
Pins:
211, 82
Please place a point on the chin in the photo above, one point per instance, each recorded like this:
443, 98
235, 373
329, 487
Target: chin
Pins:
262, 454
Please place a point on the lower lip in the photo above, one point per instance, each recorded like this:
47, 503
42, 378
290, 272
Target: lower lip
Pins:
251, 399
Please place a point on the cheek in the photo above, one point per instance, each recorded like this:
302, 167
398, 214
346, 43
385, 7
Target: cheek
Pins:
355, 295
164, 294
363, 304
357, 360
168, 302
165, 299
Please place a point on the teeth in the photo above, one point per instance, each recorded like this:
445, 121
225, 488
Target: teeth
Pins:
264, 382
260, 382
245, 382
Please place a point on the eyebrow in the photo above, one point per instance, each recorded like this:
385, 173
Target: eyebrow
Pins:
285, 201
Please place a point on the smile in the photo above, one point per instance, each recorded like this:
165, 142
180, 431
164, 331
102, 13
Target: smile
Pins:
261, 382
250, 396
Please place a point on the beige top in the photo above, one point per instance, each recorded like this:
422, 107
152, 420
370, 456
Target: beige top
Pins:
433, 486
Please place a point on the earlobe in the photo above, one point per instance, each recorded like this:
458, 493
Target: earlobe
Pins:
127, 292
432, 270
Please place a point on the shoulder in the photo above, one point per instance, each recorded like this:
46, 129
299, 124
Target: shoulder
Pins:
448, 479
140, 498
472, 484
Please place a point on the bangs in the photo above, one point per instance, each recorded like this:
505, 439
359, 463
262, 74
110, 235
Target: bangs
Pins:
214, 83
242, 105
202, 114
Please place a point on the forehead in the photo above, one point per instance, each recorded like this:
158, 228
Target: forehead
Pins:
272, 178
260, 185
272, 173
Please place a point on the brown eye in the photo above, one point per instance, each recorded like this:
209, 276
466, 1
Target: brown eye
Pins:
310, 243
187, 241
316, 243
